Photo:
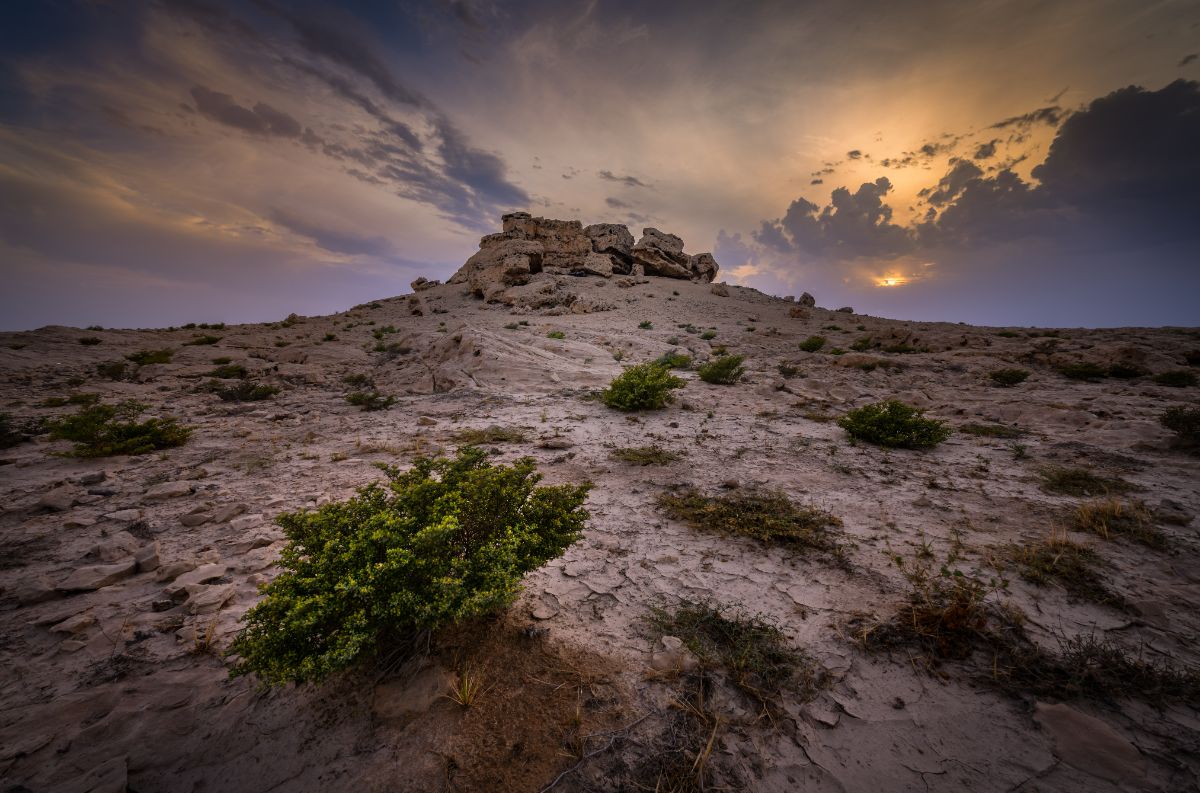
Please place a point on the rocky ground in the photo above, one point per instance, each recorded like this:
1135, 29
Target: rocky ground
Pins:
122, 578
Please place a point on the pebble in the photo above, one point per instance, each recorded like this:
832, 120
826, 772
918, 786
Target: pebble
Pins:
168, 490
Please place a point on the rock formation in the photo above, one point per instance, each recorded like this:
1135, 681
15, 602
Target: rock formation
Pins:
527, 246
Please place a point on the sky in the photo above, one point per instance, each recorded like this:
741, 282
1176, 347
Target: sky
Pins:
1003, 162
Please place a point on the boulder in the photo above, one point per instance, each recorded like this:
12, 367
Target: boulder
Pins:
662, 254
720, 290
85, 579
60, 499
845, 310
611, 238
499, 264
704, 267
423, 283
807, 300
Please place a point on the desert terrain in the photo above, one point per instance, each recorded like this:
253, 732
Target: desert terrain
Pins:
123, 578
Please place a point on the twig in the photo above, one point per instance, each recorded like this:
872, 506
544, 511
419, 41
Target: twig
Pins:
590, 755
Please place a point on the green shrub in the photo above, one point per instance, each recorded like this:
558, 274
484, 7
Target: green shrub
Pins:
222, 360
646, 386
1084, 370
244, 391
94, 327
1179, 378
708, 335
229, 371
1008, 377
371, 400
200, 341
813, 343
1184, 422
725, 370
646, 324
862, 344
646, 455
106, 430
556, 334
1127, 371
893, 423
329, 337
89, 341
71, 399
1008, 334
766, 515
445, 542
113, 370
674, 360
991, 430
144, 357
1081, 482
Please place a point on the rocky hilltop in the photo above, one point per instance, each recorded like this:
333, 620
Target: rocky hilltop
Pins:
518, 265
1059, 507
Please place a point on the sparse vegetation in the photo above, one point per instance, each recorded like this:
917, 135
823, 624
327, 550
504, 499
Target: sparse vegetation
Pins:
1113, 517
813, 343
71, 399
490, 435
13, 433
1083, 370
991, 430
556, 334
244, 391
1008, 377
646, 386
229, 371
723, 370
1057, 560
787, 371
646, 324
442, 543
751, 651
1080, 482
1178, 378
1126, 371
89, 341
674, 360
144, 357
1185, 423
766, 515
894, 424
359, 380
107, 430
646, 455
112, 370
200, 341
371, 400
708, 335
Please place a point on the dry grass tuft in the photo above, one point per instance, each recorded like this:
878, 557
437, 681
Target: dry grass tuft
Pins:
490, 435
766, 515
1113, 517
646, 455
1058, 561
1081, 482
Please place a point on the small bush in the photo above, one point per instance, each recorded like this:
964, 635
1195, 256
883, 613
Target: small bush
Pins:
107, 430
813, 343
787, 371
229, 371
1084, 370
861, 344
71, 399
1127, 371
113, 370
1080, 482
751, 651
894, 424
13, 433
1112, 517
1008, 334
1179, 378
903, 349
245, 391
359, 380
646, 455
764, 515
89, 341
371, 400
991, 430
646, 324
490, 435
144, 357
646, 386
708, 335
725, 370
200, 341
556, 334
445, 542
94, 327
1008, 377
674, 360
329, 337
1184, 422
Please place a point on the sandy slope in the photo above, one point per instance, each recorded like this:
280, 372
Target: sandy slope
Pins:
113, 686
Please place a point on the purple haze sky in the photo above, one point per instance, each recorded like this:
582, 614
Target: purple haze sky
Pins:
1009, 162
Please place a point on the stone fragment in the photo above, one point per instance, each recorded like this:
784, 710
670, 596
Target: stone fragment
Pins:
672, 656
94, 478
115, 547
246, 522
172, 570
423, 283
34, 590
807, 300
167, 490
720, 290
79, 623
125, 515
147, 558
59, 499
208, 599
196, 518
228, 512
200, 575
86, 579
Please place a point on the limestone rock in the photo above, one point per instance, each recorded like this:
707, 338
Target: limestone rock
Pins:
796, 312
60, 499
423, 283
86, 579
704, 267
78, 623
245, 522
807, 300
125, 515
720, 290
200, 575
662, 254
147, 558
208, 599
613, 239
229, 512
38, 589
167, 490
845, 310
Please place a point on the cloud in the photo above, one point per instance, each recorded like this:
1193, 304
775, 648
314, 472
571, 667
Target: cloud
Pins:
262, 119
616, 203
1189, 58
628, 181
1044, 115
854, 154
851, 226
987, 150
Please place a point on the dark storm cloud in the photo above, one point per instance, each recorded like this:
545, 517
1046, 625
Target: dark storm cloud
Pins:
628, 181
616, 203
854, 154
1043, 115
261, 119
853, 225
986, 151
1189, 58
922, 156
1125, 169
334, 240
